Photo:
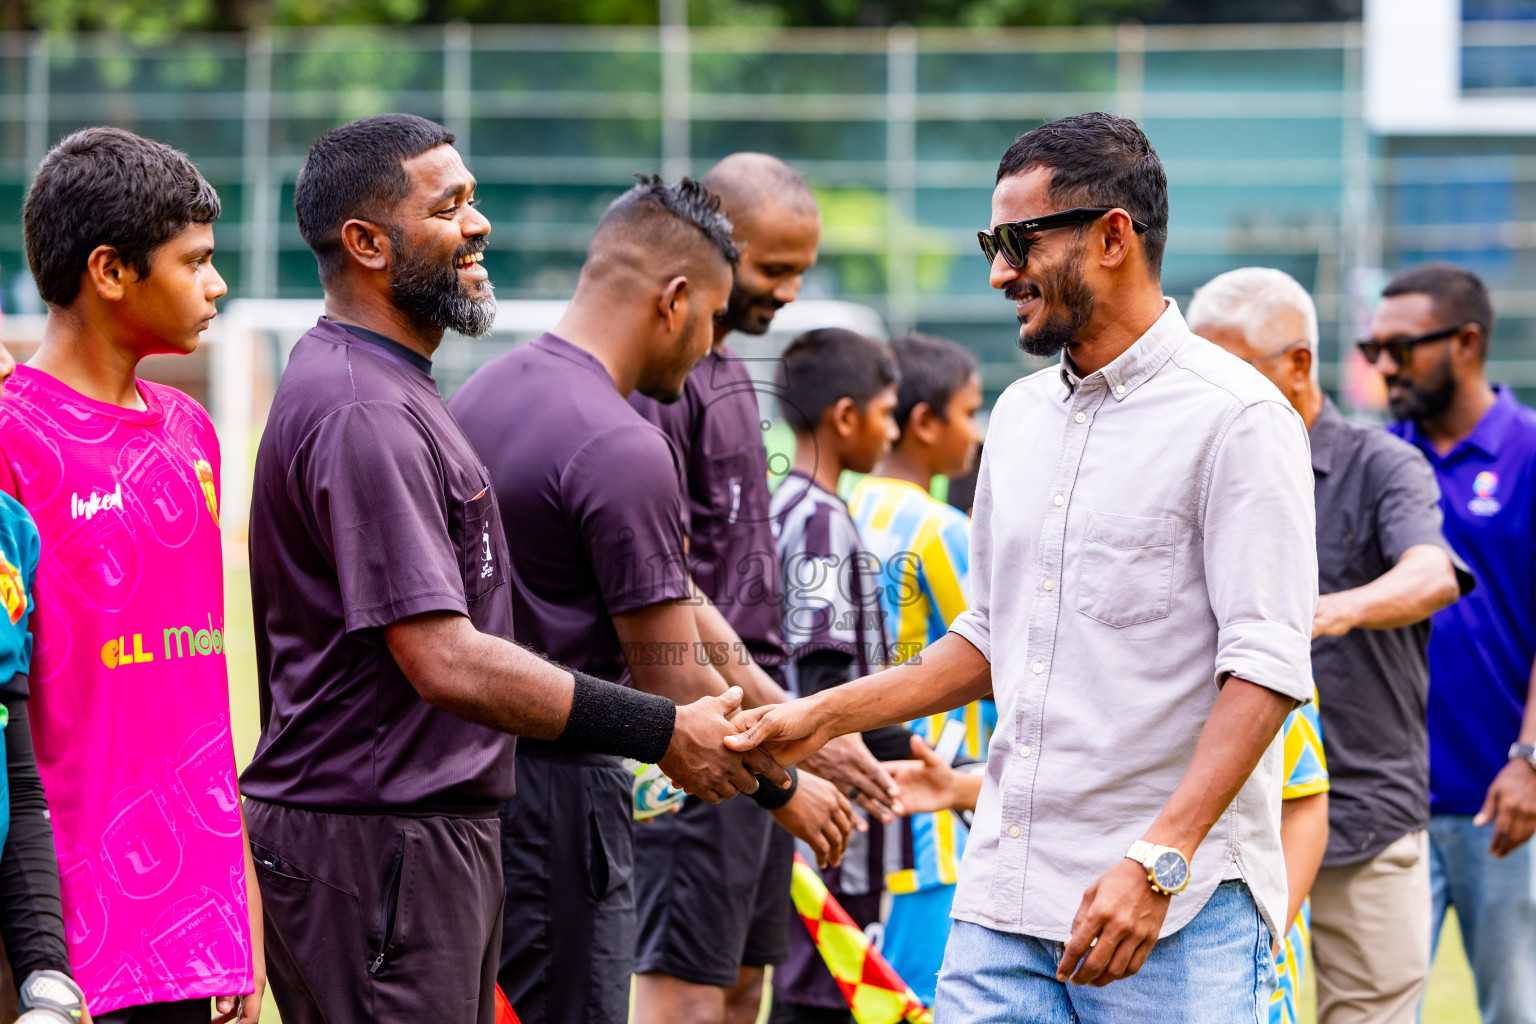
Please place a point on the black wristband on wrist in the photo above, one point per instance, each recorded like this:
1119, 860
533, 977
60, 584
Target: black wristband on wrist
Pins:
610, 719
769, 796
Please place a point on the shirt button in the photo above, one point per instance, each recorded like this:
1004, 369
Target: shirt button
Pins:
1039, 667
1024, 751
1119, 389
1081, 417
1049, 584
1013, 830
1060, 500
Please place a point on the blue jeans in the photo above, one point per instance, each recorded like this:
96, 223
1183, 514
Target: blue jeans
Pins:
1495, 903
1215, 970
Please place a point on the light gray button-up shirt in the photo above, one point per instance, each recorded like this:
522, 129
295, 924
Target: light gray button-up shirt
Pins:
1139, 535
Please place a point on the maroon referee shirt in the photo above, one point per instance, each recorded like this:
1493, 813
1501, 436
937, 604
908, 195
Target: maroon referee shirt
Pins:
717, 430
369, 506
588, 491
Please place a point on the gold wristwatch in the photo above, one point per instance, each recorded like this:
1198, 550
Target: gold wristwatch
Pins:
1167, 868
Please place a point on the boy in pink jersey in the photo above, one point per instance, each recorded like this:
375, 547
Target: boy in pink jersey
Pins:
130, 696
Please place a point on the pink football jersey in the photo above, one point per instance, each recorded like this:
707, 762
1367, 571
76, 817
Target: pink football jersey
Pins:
130, 691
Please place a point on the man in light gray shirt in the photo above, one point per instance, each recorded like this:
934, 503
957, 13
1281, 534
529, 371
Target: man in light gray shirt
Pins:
1144, 576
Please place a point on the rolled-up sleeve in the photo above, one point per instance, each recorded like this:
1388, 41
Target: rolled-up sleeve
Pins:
975, 623
1260, 543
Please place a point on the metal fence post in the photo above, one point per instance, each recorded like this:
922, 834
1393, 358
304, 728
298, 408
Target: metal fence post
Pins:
37, 101
259, 185
675, 88
1130, 69
901, 178
457, 83
1360, 242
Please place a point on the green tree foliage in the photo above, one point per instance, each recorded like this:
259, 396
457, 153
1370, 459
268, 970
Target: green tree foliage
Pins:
157, 17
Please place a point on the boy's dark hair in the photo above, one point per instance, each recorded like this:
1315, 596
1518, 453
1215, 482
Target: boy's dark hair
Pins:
356, 171
821, 367
1458, 295
104, 186
687, 201
932, 370
1099, 159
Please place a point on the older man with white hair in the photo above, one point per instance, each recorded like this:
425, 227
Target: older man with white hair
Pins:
1384, 568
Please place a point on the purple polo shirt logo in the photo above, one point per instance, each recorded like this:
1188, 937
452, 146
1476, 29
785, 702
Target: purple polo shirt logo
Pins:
1484, 486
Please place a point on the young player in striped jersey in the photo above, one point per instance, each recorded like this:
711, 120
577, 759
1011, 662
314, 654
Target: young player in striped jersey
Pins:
1304, 836
923, 546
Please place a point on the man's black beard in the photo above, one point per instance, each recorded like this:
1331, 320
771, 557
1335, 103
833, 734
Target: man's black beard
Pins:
425, 287
1428, 400
739, 307
1064, 290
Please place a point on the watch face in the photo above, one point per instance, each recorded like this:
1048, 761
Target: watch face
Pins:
1170, 871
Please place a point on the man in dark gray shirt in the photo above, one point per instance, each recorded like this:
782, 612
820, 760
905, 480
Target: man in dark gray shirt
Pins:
1383, 569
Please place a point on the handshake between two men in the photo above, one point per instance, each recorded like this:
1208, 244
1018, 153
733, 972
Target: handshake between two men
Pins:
719, 750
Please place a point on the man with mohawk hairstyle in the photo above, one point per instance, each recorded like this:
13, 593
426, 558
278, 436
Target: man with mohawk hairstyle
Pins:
591, 492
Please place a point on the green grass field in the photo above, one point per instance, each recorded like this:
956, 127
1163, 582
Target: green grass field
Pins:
1450, 998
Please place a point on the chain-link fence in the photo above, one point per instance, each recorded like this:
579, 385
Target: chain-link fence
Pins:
899, 130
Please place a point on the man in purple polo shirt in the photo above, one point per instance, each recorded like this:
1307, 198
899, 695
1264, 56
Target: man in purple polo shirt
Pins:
1429, 339
703, 948
601, 583
379, 575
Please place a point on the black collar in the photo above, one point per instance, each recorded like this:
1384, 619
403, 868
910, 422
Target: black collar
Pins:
389, 345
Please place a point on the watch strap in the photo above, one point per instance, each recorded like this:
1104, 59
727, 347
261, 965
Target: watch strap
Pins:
1525, 752
52, 991
1141, 853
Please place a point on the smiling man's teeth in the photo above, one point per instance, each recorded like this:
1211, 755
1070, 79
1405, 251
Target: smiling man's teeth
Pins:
470, 260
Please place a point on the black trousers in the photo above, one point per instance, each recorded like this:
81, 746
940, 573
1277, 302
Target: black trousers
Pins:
568, 851
379, 917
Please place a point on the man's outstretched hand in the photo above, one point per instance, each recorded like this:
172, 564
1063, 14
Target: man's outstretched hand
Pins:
822, 817
698, 761
789, 733
929, 784
847, 763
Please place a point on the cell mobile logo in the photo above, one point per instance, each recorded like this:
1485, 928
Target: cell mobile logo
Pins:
88, 507
180, 642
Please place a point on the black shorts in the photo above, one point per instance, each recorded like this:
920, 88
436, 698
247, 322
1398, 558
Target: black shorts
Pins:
712, 882
378, 917
568, 855
186, 1011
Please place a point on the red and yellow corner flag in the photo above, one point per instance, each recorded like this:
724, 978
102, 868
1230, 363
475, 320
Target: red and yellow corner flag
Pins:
875, 993
504, 1011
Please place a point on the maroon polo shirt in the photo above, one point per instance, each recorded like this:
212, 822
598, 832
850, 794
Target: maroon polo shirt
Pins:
369, 506
588, 491
717, 430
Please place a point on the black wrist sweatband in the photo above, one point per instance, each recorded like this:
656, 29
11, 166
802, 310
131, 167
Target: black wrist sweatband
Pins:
610, 719
769, 796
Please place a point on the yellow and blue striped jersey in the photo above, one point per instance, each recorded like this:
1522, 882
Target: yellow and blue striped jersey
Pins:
923, 547
1306, 773
924, 550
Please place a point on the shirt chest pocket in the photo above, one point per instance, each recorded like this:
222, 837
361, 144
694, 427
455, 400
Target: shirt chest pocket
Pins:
734, 495
482, 555
1125, 569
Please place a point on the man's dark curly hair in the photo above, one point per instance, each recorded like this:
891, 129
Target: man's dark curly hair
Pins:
1099, 159
104, 186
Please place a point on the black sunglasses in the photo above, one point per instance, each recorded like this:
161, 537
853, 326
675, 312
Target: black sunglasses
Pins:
1014, 238
1401, 349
